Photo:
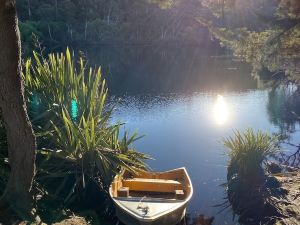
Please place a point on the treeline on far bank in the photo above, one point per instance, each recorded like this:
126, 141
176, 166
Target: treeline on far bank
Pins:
58, 23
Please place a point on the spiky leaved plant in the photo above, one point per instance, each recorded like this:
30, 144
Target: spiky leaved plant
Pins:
67, 103
248, 152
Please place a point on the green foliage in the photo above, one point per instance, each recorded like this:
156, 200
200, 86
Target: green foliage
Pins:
289, 9
219, 7
164, 4
29, 28
81, 23
248, 151
272, 44
67, 103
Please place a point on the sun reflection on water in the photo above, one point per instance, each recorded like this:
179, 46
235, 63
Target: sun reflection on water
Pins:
220, 110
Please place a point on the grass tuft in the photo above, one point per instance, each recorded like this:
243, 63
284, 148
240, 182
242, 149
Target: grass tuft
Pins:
249, 151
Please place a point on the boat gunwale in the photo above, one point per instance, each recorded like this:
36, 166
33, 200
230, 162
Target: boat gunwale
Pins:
148, 199
159, 215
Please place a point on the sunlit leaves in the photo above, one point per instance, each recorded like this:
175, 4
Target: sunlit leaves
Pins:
218, 7
289, 9
82, 140
273, 48
249, 150
163, 3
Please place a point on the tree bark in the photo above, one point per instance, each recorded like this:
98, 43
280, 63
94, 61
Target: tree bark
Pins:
20, 136
29, 9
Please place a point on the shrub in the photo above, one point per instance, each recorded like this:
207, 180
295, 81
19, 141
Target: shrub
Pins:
249, 151
67, 103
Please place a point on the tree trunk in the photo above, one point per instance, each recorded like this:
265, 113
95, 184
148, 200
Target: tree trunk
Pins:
223, 9
20, 137
29, 9
85, 29
56, 6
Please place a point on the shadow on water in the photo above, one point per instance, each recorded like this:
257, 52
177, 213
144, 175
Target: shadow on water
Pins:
168, 70
197, 220
255, 203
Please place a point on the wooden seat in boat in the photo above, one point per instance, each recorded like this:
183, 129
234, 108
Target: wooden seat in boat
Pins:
152, 185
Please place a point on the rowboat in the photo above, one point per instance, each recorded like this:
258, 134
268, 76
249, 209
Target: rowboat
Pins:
151, 198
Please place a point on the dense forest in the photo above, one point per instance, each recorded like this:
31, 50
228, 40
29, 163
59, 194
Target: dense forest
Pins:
80, 23
264, 33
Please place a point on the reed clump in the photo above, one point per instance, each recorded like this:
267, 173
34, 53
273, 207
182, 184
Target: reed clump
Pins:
249, 153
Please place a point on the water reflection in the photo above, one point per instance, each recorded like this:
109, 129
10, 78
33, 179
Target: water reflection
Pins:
220, 111
284, 108
170, 70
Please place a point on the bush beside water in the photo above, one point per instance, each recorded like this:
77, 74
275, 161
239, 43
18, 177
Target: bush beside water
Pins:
79, 150
253, 193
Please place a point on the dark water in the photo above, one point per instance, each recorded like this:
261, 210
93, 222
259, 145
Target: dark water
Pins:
185, 101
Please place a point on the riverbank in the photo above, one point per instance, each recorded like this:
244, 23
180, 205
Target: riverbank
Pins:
75, 220
289, 206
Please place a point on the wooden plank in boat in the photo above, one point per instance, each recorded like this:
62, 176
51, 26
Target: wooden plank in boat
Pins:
152, 185
179, 194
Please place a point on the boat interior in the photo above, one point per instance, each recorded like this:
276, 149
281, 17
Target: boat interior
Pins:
172, 185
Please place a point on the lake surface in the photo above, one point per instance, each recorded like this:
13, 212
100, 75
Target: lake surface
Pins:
185, 102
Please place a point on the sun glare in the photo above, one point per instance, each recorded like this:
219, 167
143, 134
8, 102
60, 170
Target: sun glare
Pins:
220, 111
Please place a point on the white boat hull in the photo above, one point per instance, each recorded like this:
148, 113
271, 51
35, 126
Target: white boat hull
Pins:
172, 218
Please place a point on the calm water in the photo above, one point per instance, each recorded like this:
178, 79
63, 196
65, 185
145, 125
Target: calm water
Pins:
185, 102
